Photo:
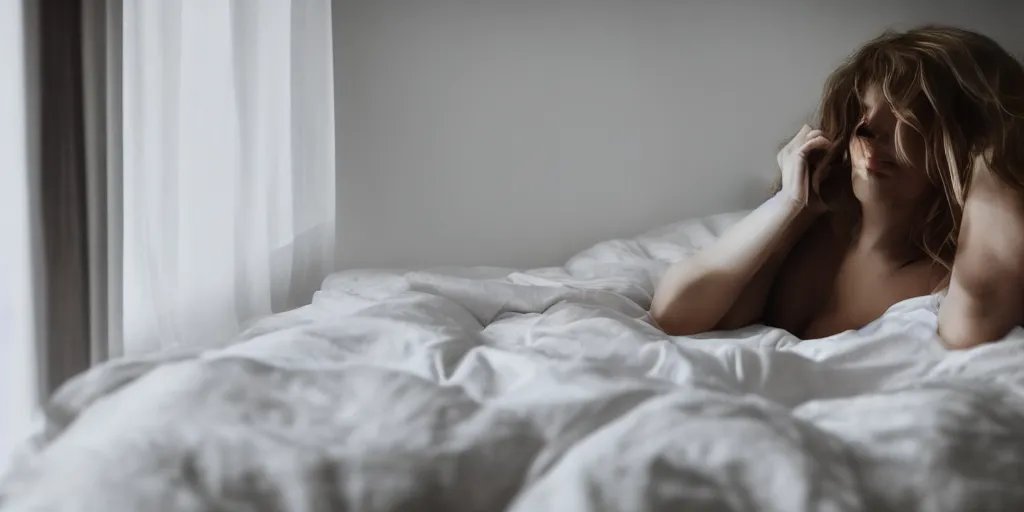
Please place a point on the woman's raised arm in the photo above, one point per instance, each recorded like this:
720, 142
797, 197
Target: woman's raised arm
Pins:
986, 291
726, 284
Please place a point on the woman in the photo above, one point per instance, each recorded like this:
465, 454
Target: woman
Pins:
913, 184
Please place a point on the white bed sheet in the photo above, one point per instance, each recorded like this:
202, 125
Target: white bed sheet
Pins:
491, 389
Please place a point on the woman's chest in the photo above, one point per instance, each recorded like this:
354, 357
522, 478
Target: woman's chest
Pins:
860, 294
847, 293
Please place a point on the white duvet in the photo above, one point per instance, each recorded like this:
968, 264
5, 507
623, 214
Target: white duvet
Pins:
489, 389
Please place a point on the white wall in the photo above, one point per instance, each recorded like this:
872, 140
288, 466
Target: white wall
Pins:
519, 132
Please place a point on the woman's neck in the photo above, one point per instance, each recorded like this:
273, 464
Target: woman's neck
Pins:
887, 234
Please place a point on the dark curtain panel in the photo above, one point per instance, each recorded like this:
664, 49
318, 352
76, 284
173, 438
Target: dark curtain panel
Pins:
101, 80
64, 347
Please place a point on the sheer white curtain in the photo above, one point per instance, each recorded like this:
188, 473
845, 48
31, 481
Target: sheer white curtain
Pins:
228, 180
19, 299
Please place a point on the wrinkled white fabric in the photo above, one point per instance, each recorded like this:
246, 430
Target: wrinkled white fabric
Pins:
491, 389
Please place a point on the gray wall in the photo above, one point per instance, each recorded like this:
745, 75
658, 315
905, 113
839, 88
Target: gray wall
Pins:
518, 132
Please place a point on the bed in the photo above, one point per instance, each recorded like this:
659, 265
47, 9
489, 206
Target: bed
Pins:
484, 389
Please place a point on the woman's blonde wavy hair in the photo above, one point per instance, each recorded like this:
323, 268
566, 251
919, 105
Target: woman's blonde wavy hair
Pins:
959, 90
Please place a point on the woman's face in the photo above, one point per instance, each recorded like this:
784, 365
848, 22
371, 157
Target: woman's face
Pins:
878, 174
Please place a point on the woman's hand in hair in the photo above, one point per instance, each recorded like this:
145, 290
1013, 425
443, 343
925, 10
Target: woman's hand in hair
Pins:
799, 182
986, 292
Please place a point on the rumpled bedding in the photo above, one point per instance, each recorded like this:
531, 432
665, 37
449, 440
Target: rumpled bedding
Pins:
483, 389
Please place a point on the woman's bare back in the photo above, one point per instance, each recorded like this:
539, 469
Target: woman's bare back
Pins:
824, 287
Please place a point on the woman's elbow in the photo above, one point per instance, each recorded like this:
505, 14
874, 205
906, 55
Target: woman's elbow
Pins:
959, 330
681, 301
959, 340
674, 325
676, 320
974, 313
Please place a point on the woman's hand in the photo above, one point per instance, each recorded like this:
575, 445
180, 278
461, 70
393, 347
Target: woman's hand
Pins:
797, 184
